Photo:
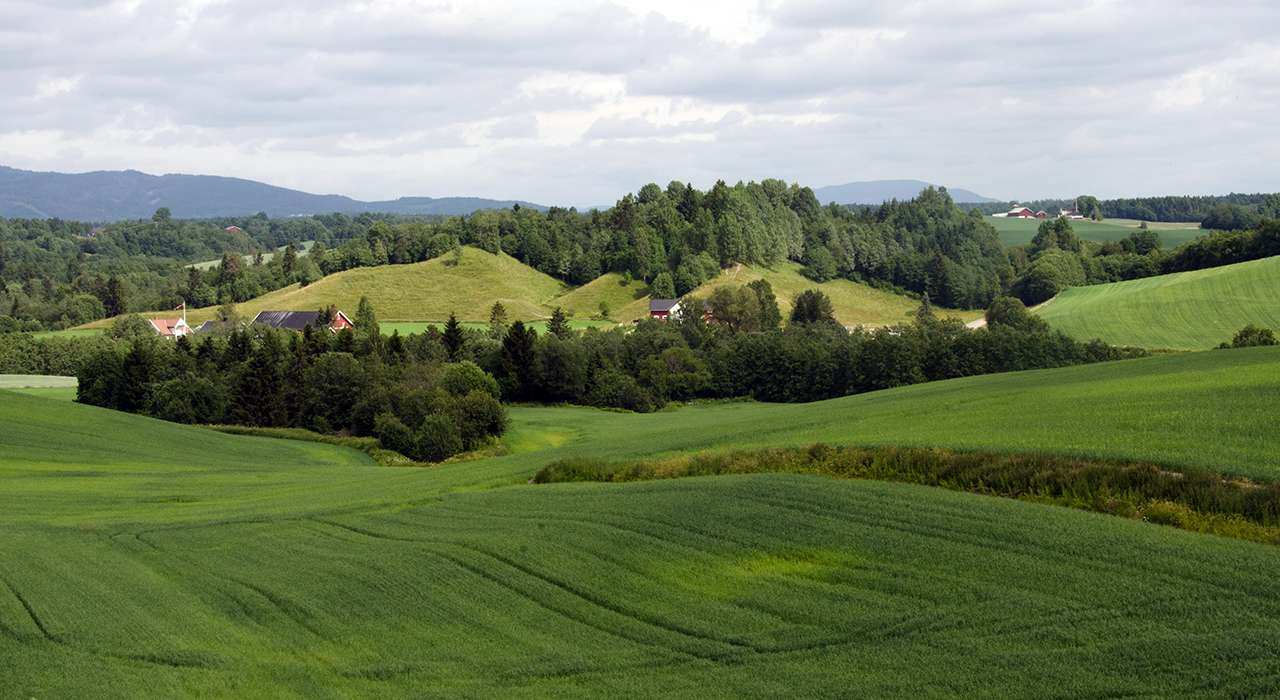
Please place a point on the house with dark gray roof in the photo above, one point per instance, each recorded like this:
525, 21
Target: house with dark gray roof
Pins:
663, 309
298, 320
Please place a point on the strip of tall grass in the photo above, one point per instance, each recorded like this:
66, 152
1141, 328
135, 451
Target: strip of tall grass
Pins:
1191, 500
368, 445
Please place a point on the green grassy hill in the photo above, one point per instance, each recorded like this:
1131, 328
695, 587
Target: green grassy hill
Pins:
425, 293
628, 300
1021, 231
855, 304
142, 558
1183, 311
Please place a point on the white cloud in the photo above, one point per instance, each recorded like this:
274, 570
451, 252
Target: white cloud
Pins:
577, 102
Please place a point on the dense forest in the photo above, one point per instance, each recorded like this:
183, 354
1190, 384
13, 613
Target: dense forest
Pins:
57, 274
434, 394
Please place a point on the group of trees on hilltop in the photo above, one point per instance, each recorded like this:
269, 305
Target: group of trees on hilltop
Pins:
55, 274
678, 237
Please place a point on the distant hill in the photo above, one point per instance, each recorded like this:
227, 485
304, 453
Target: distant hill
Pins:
129, 194
880, 191
1181, 311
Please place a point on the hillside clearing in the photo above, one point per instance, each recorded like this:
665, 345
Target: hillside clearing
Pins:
855, 304
1181, 311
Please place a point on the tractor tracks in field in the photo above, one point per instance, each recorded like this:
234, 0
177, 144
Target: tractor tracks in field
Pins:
31, 612
440, 548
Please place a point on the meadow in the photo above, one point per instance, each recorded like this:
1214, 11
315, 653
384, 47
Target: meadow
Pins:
1181, 311
145, 558
305, 246
854, 304
412, 297
1021, 231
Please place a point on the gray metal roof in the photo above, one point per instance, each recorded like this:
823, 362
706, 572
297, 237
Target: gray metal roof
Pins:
662, 304
290, 320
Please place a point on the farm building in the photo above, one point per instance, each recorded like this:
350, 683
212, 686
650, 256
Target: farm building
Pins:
233, 229
663, 309
1023, 213
298, 320
171, 327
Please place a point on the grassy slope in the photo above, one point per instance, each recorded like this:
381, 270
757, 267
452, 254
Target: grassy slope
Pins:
249, 567
1021, 231
1185, 310
627, 301
855, 304
422, 291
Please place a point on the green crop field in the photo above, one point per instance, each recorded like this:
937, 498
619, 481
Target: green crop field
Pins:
63, 388
1021, 231
139, 558
1182, 311
855, 304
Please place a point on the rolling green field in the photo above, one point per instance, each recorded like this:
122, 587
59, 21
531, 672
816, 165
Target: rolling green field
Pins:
1021, 231
1181, 311
143, 558
62, 388
854, 304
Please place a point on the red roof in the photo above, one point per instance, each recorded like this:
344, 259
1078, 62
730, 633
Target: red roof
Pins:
164, 326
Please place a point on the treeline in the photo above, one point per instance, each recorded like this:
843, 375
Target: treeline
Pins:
679, 237
57, 274
751, 354
1181, 208
404, 391
1057, 258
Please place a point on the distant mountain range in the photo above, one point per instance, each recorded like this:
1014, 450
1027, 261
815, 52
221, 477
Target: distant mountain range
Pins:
880, 191
115, 195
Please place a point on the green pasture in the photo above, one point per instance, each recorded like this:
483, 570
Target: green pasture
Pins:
1021, 231
305, 246
1183, 311
140, 558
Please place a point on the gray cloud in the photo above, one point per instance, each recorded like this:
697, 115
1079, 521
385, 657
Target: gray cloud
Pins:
578, 102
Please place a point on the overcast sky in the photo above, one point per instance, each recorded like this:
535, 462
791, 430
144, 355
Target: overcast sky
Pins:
575, 103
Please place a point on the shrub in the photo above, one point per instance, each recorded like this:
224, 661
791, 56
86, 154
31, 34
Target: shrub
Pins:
614, 389
437, 440
1252, 336
478, 416
393, 434
462, 378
